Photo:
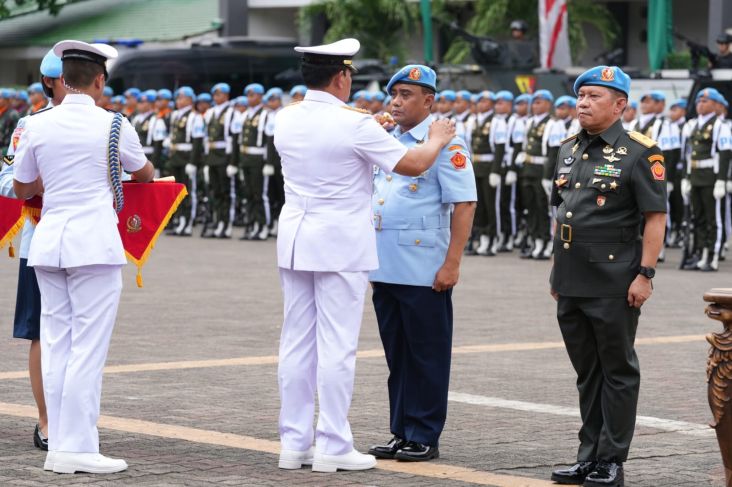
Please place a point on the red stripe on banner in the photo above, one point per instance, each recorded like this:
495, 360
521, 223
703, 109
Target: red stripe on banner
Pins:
548, 4
555, 35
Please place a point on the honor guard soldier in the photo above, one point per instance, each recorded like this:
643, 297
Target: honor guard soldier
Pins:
485, 179
463, 99
76, 250
143, 120
131, 96
160, 128
445, 104
419, 242
273, 189
27, 322
8, 119
629, 118
533, 157
220, 164
606, 181
677, 116
557, 130
645, 122
503, 127
37, 98
709, 145
297, 93
187, 132
106, 100
517, 135
325, 247
377, 103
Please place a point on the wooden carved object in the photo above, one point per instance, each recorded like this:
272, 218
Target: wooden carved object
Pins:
719, 373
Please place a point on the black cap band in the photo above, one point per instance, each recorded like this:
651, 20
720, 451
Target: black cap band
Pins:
324, 60
84, 56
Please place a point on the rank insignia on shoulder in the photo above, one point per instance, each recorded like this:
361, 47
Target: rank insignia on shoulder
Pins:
642, 139
459, 161
354, 109
455, 147
567, 139
8, 160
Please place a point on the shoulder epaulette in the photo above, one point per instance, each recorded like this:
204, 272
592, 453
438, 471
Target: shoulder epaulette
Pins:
8, 160
642, 139
41, 111
568, 139
354, 109
293, 103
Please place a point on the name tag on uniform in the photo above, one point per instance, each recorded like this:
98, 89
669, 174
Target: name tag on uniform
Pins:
564, 170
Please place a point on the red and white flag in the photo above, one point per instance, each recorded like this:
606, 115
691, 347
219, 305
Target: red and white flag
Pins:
554, 34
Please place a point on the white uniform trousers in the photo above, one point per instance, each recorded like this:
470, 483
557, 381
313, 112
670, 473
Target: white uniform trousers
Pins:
78, 311
323, 312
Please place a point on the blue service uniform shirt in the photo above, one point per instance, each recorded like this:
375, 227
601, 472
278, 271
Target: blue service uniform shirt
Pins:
412, 214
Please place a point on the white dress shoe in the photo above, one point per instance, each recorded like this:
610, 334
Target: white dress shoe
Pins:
68, 462
50, 458
293, 459
349, 461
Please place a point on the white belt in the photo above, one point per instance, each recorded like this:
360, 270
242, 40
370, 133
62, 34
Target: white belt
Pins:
702, 164
483, 157
415, 223
253, 150
535, 159
183, 147
148, 150
219, 144
314, 204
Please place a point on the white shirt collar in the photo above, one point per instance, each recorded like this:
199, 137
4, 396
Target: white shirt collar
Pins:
705, 118
322, 97
644, 119
78, 99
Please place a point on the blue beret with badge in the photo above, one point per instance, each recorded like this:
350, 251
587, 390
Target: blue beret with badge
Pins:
273, 93
378, 96
570, 101
35, 88
542, 95
464, 95
487, 95
298, 90
360, 94
241, 101
475, 98
608, 76
254, 87
222, 87
204, 97
51, 65
523, 98
504, 95
633, 105
22, 95
681, 103
118, 99
655, 95
415, 74
132, 92
6, 93
448, 95
710, 94
165, 94
186, 91
148, 95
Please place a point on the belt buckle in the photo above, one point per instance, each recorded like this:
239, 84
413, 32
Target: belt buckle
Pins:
565, 233
378, 222
694, 164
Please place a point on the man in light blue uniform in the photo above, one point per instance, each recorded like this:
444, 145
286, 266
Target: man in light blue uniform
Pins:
419, 243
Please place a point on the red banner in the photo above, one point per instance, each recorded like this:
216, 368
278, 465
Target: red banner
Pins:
11, 221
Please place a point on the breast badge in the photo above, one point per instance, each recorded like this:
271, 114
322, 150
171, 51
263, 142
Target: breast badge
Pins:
601, 201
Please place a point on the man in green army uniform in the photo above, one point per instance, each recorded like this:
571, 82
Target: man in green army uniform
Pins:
605, 182
705, 179
160, 128
8, 119
533, 157
252, 150
186, 151
479, 130
219, 166
143, 120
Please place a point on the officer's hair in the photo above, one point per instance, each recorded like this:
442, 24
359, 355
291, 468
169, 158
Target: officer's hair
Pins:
80, 74
319, 76
47, 84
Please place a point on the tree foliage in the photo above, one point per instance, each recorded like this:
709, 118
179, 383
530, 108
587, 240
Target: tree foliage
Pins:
53, 6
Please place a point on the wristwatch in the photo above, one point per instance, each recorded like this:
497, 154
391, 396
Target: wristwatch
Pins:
647, 272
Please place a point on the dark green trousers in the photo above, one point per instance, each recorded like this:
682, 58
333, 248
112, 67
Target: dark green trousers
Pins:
253, 188
220, 191
485, 212
707, 217
536, 203
599, 334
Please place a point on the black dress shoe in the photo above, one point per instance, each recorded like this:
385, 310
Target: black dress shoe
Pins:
39, 440
574, 475
417, 452
606, 474
389, 450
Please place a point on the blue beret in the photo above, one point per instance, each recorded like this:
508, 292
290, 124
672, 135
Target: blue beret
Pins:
437, 97
711, 94
22, 95
378, 96
608, 76
523, 98
148, 95
681, 103
51, 65
566, 100
415, 74
186, 91
255, 87
241, 101
6, 93
464, 94
108, 91
222, 87
634, 105
655, 95
205, 97
132, 92
504, 95
475, 98
35, 88
358, 95
118, 99
448, 95
273, 92
543, 95
165, 94
366, 96
298, 90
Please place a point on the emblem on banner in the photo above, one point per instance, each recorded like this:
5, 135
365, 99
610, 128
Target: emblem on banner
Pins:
134, 224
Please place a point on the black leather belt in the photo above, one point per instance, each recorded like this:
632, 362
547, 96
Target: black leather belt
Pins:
570, 233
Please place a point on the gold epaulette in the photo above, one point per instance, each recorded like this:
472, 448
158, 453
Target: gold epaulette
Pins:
292, 103
568, 139
354, 109
642, 139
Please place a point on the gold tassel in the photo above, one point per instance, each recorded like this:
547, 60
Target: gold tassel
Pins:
11, 250
139, 277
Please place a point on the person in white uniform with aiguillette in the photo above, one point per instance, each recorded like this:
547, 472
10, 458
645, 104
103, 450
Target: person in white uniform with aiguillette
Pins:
76, 251
325, 247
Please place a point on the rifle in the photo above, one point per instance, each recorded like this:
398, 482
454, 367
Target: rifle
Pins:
697, 51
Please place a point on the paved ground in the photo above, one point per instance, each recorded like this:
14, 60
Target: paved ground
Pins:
205, 412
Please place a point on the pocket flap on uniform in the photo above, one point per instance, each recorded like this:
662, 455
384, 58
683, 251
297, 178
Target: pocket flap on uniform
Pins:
604, 185
609, 253
420, 238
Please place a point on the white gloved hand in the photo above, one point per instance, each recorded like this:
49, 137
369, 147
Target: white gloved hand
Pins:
521, 158
720, 189
494, 180
729, 186
511, 178
231, 170
268, 170
669, 187
547, 185
685, 188
191, 170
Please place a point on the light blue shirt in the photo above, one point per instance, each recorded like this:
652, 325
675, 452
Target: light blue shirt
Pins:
6, 189
412, 214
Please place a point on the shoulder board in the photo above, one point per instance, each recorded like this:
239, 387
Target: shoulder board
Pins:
573, 136
8, 160
642, 139
354, 109
40, 111
293, 103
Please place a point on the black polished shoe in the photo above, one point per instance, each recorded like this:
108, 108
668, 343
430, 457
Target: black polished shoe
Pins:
417, 452
606, 474
389, 450
574, 475
39, 440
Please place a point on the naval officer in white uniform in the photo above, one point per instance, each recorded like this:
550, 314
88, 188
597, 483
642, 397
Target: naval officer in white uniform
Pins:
325, 247
76, 251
